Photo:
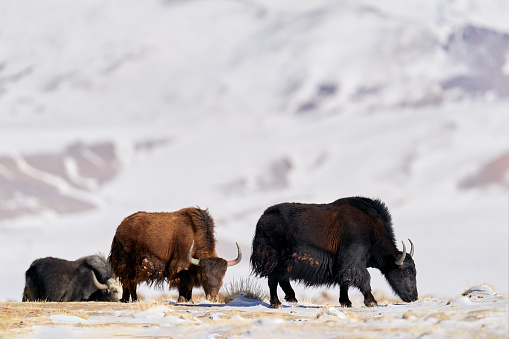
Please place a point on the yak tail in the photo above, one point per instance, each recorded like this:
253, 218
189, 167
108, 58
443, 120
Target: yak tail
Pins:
264, 258
31, 291
27, 296
117, 258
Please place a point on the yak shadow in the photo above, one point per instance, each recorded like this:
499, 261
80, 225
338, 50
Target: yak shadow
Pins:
244, 302
254, 302
233, 303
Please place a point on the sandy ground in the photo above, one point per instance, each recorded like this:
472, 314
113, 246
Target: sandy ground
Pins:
477, 313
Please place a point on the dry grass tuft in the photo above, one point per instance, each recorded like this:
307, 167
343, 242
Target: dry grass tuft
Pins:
159, 300
324, 298
383, 299
246, 287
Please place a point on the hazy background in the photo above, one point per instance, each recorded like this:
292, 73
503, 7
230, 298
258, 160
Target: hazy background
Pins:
111, 107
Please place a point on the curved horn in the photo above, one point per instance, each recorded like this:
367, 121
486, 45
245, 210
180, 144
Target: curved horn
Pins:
97, 283
239, 257
412, 248
190, 256
399, 262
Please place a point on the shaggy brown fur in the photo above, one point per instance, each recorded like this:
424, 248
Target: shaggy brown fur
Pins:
153, 248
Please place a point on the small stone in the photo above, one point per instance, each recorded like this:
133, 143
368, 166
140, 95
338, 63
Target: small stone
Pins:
409, 315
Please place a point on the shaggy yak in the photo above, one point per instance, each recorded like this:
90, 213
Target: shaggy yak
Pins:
86, 279
331, 244
177, 247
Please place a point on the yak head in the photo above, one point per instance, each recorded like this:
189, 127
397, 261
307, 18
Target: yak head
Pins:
112, 290
212, 271
401, 274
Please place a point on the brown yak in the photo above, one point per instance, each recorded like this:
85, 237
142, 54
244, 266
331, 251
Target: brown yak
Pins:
177, 247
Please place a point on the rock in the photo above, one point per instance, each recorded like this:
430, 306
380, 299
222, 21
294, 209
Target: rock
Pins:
186, 316
409, 315
479, 291
332, 313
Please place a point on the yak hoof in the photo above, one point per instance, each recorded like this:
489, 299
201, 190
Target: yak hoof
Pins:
275, 304
212, 299
182, 299
291, 299
371, 303
346, 303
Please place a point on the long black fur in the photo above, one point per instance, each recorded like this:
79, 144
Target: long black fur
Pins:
327, 244
374, 208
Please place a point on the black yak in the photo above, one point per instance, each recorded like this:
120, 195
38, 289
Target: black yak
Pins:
86, 279
177, 247
331, 244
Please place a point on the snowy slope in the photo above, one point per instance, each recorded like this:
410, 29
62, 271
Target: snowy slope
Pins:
110, 108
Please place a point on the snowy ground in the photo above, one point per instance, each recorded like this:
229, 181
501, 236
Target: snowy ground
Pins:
478, 313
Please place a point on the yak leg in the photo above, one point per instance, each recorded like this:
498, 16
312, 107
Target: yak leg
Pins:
125, 291
185, 287
132, 291
343, 295
134, 295
185, 293
274, 300
128, 290
369, 299
125, 294
363, 283
289, 292
358, 276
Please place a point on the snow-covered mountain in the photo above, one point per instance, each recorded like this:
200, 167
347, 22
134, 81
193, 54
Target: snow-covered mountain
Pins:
107, 108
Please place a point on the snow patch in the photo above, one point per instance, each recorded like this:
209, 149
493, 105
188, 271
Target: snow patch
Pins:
242, 301
67, 319
460, 301
430, 317
153, 313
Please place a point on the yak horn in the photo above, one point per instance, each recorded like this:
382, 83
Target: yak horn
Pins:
412, 248
190, 256
239, 257
97, 283
399, 262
